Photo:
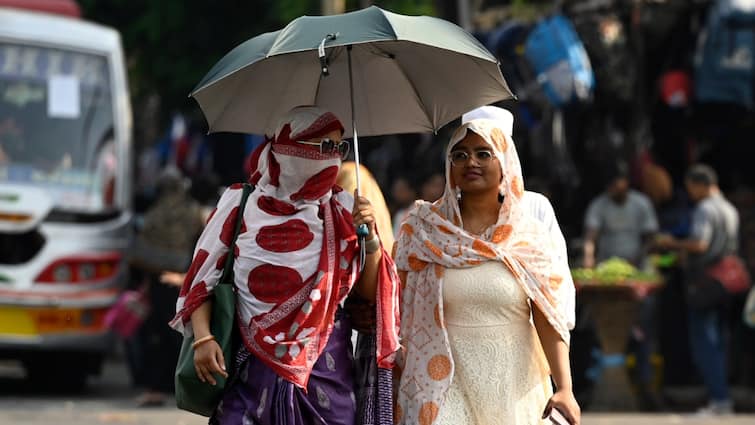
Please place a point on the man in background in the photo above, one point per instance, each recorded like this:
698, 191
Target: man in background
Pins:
714, 235
620, 222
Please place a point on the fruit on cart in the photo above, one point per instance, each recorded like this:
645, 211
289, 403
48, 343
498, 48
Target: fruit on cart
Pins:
583, 274
612, 271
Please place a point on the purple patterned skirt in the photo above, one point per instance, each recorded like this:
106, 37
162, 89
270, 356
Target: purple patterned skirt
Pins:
259, 396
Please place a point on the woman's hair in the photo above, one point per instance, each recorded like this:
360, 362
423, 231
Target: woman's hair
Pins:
370, 190
702, 174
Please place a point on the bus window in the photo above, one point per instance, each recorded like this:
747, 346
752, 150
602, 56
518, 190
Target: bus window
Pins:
56, 130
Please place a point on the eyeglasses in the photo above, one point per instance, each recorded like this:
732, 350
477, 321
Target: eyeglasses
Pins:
460, 158
328, 146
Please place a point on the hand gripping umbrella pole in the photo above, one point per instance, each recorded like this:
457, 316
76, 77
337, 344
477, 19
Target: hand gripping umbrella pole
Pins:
362, 230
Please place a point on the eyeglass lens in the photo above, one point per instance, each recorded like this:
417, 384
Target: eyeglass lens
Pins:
461, 157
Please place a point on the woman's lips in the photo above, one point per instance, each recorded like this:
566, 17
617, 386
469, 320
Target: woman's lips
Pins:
472, 175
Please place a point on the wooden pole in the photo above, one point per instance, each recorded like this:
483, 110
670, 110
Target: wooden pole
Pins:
332, 7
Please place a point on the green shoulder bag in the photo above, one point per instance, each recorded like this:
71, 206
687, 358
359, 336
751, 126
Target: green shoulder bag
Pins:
192, 394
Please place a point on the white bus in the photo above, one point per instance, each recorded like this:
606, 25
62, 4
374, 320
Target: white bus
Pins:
65, 190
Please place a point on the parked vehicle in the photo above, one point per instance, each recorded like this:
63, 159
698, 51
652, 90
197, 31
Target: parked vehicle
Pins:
65, 185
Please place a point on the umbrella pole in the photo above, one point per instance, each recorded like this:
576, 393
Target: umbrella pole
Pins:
362, 231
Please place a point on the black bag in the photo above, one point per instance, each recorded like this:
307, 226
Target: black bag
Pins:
704, 293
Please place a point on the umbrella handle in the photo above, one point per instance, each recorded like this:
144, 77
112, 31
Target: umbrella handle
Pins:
321, 53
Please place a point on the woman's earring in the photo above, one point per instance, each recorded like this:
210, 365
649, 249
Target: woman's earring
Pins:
458, 193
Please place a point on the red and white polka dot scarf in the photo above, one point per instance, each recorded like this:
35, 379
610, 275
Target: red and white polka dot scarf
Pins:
297, 254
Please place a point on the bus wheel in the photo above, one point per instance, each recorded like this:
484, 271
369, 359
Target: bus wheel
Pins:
59, 373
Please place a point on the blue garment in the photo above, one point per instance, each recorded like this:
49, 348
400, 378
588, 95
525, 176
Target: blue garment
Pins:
724, 63
708, 344
560, 60
251, 141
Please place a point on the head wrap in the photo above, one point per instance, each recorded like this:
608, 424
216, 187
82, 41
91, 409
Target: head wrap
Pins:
504, 117
433, 239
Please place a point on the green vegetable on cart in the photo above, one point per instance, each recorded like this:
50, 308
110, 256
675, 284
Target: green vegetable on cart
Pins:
614, 271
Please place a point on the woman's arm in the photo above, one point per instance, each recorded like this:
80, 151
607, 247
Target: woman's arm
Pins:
367, 285
208, 356
557, 354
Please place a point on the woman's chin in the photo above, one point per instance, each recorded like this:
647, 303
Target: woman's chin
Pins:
478, 188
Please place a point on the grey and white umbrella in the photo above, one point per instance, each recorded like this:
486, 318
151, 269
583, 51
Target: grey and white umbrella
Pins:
387, 73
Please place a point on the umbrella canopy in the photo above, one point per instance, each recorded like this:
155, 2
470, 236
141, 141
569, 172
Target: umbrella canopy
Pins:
410, 74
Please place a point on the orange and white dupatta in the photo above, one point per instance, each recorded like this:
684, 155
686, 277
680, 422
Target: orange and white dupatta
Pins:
432, 239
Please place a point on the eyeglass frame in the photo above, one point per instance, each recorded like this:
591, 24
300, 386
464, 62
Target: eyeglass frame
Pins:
483, 162
335, 147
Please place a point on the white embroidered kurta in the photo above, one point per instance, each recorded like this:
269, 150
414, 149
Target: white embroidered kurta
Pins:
501, 375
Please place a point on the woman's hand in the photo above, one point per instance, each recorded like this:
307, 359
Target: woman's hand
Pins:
363, 213
564, 401
208, 359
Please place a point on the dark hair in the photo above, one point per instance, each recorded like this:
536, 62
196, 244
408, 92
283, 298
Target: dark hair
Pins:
702, 174
617, 170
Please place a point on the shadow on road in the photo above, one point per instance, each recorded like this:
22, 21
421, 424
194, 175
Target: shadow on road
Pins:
112, 383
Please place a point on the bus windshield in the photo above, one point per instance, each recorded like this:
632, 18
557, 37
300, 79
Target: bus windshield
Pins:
56, 125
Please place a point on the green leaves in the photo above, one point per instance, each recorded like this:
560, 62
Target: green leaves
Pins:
171, 44
408, 7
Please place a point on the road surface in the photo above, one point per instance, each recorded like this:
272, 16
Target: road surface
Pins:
109, 400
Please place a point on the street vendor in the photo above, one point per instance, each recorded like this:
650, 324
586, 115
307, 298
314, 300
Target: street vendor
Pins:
620, 222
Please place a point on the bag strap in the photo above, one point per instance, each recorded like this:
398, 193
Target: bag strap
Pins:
227, 276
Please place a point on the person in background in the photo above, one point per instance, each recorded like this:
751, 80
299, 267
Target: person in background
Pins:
171, 225
621, 222
204, 190
432, 187
403, 195
714, 234
11, 139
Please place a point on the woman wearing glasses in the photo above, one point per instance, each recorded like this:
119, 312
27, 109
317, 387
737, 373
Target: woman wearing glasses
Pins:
297, 260
488, 299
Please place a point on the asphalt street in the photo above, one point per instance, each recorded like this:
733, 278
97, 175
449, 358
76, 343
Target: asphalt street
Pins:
109, 400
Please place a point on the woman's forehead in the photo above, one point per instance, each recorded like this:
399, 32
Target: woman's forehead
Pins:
472, 140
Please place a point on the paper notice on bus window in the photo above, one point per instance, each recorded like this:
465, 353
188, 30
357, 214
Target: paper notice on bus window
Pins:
63, 97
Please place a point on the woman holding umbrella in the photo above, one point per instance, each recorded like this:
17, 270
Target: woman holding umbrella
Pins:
488, 299
297, 260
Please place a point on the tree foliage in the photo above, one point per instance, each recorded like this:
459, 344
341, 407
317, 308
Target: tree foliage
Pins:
171, 44
408, 7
